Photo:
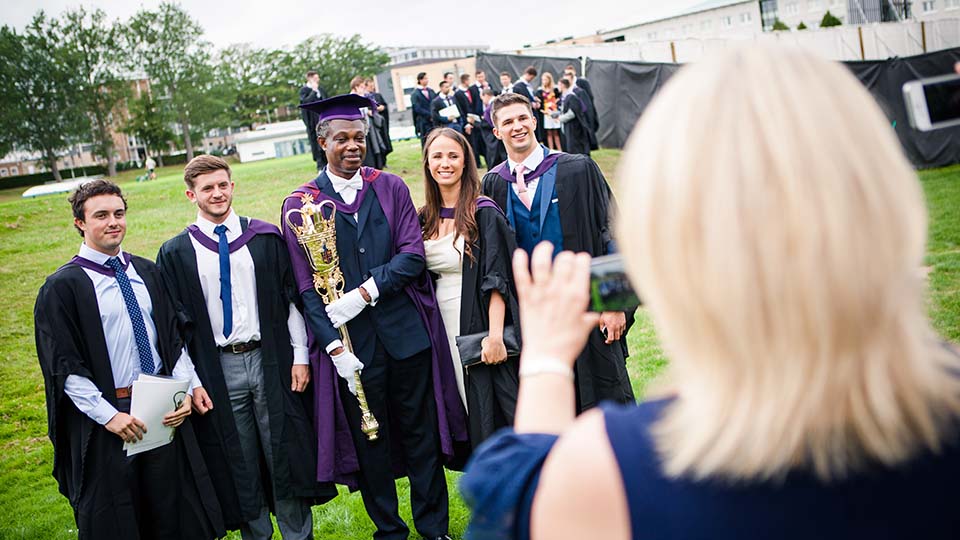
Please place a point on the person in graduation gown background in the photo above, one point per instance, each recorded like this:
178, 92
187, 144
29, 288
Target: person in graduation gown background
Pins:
562, 198
397, 334
421, 99
310, 92
573, 117
495, 152
375, 156
469, 245
231, 276
383, 109
101, 320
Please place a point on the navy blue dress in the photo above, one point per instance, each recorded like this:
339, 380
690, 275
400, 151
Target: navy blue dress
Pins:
916, 500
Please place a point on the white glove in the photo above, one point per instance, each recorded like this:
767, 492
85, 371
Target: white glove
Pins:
347, 363
346, 308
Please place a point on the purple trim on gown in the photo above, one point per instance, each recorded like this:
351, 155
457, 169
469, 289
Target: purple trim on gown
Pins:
99, 268
336, 455
549, 159
254, 228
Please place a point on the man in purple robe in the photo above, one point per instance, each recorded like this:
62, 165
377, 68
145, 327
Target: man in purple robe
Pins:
395, 328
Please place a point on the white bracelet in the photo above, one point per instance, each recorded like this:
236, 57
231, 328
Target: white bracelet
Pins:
545, 366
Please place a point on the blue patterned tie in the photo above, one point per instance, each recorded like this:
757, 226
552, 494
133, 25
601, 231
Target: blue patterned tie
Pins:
136, 317
226, 292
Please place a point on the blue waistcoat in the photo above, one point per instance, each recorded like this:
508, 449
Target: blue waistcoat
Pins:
542, 221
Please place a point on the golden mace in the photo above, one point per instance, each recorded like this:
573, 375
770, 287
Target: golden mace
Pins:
318, 236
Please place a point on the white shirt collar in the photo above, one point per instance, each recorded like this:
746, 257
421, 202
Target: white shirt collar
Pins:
339, 183
232, 222
530, 163
98, 257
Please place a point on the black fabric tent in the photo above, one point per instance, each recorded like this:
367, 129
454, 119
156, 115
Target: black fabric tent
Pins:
623, 90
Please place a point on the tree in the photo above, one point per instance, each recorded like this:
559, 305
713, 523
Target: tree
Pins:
829, 20
335, 59
778, 25
251, 84
97, 47
39, 79
801, 26
150, 124
167, 45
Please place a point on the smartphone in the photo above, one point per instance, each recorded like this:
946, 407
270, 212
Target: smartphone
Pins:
934, 102
610, 289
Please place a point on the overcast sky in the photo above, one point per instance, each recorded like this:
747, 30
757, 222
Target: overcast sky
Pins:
273, 23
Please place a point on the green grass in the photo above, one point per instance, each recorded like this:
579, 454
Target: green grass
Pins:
37, 236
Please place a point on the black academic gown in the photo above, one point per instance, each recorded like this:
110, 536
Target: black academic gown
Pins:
576, 132
494, 151
385, 128
70, 341
591, 116
310, 119
291, 413
586, 207
491, 390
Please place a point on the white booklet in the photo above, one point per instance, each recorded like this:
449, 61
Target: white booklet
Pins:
450, 112
152, 398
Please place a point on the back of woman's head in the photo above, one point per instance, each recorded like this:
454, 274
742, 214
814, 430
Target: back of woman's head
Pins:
775, 230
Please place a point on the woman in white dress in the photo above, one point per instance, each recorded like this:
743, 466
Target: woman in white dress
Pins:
469, 245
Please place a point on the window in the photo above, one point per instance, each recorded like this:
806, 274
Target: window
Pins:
706, 24
813, 5
3, 172
14, 171
929, 6
651, 36
792, 8
834, 3
951, 4
745, 17
728, 21
687, 29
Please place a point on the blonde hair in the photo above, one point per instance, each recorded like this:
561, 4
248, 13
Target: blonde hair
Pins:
776, 236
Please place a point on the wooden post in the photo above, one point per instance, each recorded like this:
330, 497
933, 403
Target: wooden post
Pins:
673, 52
863, 55
923, 35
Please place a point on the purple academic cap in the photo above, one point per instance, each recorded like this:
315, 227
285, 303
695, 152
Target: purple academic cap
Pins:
342, 107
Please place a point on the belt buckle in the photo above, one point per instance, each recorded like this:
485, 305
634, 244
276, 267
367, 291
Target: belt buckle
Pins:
236, 348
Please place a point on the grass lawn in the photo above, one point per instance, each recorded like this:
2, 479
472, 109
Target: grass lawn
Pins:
37, 236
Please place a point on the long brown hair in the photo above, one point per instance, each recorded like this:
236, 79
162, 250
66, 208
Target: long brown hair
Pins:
464, 213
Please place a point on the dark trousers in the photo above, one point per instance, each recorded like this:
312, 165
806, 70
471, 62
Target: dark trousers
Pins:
400, 396
152, 482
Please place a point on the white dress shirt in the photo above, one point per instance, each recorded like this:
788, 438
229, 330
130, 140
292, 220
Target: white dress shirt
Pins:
347, 189
121, 344
530, 163
243, 286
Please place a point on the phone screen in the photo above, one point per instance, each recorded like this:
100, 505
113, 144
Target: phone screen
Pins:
943, 100
610, 289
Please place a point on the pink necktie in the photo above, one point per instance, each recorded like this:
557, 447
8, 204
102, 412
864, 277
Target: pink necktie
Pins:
522, 191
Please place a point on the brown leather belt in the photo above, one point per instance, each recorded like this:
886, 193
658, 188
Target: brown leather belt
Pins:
124, 392
240, 348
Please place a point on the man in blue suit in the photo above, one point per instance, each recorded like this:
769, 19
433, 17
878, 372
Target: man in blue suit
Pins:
443, 100
398, 341
564, 199
421, 98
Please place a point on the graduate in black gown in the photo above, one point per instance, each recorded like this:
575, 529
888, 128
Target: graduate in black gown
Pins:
458, 221
565, 199
495, 153
573, 116
101, 320
309, 93
384, 110
269, 345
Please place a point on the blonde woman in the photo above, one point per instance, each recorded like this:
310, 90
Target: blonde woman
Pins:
775, 231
